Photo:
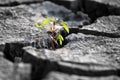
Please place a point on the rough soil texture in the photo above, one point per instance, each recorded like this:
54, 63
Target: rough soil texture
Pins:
91, 51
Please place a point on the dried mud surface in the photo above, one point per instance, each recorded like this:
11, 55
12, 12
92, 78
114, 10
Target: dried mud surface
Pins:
90, 52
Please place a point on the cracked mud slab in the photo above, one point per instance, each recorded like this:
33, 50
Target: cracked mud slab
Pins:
106, 24
69, 62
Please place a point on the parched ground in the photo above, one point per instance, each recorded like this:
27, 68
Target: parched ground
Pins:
91, 51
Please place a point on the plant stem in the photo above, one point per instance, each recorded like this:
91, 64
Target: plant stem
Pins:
53, 40
53, 31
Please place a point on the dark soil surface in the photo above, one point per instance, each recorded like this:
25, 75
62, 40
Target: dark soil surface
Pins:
91, 51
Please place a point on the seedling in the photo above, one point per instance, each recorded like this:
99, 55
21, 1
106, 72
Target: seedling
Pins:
54, 26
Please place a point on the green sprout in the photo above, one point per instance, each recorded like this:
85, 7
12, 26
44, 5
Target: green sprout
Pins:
54, 26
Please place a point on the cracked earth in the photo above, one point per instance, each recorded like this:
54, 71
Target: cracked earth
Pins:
91, 51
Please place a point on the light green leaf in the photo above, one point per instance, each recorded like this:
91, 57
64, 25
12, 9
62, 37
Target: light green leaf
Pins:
60, 42
60, 38
45, 22
38, 25
65, 26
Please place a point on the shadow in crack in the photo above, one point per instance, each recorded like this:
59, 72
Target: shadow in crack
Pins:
12, 50
41, 67
65, 3
92, 32
96, 9
16, 3
87, 64
96, 33
86, 72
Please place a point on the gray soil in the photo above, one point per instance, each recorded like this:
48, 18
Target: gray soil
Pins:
91, 51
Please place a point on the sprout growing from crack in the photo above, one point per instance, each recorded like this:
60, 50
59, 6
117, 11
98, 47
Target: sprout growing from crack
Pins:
54, 26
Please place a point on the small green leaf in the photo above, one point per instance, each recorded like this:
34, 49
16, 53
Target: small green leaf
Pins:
38, 25
60, 42
65, 26
45, 22
60, 38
